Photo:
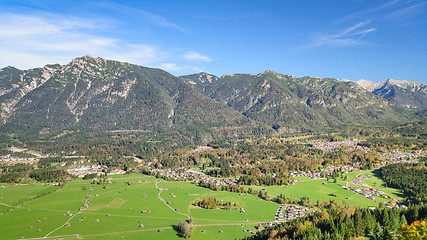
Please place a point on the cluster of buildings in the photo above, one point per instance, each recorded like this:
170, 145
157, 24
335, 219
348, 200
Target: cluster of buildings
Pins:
399, 155
84, 170
369, 193
358, 180
329, 146
385, 162
180, 174
9, 160
392, 158
286, 212
326, 171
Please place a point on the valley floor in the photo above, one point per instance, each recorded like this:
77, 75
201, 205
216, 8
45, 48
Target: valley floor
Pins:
116, 211
138, 206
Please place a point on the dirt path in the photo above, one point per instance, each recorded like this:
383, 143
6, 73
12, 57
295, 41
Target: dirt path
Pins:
78, 236
167, 205
143, 230
189, 205
87, 206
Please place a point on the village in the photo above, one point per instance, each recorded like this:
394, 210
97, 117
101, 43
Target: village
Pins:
287, 212
180, 174
399, 157
329, 146
9, 160
92, 169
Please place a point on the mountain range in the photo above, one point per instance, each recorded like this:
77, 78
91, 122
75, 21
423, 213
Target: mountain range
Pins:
290, 104
98, 94
409, 94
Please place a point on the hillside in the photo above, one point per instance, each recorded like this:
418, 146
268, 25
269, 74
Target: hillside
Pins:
408, 94
93, 93
96, 94
290, 104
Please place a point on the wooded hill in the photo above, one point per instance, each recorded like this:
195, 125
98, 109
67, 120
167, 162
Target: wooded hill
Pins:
98, 95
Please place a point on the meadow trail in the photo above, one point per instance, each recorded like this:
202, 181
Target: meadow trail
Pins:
163, 200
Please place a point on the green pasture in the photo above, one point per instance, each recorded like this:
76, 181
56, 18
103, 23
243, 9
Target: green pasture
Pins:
210, 233
315, 190
116, 211
14, 195
255, 210
376, 182
379, 184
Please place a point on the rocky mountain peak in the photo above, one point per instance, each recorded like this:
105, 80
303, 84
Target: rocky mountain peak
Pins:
368, 85
408, 94
409, 85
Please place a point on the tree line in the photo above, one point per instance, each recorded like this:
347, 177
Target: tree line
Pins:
346, 223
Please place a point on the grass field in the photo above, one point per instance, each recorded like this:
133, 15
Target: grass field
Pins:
115, 211
14, 195
316, 190
322, 190
378, 183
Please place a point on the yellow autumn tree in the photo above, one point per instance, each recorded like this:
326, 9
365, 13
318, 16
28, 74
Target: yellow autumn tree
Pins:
416, 231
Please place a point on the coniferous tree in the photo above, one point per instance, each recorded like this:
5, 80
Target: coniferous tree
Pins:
359, 224
378, 232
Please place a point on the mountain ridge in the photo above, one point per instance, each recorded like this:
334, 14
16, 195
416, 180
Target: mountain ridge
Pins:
99, 94
291, 104
409, 94
94, 93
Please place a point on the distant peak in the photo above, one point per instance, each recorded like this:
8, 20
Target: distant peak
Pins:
205, 74
269, 71
371, 86
88, 59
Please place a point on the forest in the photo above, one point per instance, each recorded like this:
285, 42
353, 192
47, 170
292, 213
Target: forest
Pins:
411, 178
338, 222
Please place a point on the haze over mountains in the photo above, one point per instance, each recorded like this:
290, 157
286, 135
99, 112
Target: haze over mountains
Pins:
100, 94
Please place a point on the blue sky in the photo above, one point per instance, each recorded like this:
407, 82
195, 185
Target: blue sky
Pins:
350, 39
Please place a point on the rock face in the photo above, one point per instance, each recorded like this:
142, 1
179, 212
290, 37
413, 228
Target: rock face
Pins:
407, 94
290, 104
94, 93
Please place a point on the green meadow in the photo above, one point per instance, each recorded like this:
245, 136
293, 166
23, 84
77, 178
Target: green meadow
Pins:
15, 195
119, 209
116, 211
378, 183
323, 190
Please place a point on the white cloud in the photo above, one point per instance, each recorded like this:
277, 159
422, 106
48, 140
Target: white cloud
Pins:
141, 54
349, 36
195, 56
406, 11
170, 67
32, 41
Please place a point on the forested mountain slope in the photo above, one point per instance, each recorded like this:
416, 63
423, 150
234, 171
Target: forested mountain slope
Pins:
290, 104
98, 94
